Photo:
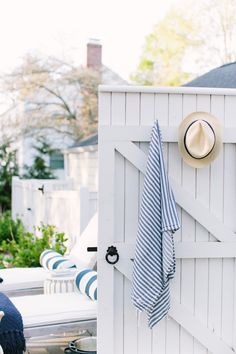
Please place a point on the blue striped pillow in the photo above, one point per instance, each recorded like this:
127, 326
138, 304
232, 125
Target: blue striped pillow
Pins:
51, 260
86, 283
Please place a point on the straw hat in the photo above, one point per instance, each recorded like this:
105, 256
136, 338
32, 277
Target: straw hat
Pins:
200, 139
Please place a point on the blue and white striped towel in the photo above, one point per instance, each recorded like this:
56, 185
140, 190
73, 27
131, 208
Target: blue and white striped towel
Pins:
154, 262
52, 260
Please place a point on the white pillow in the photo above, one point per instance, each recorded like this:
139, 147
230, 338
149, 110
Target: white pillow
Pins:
89, 238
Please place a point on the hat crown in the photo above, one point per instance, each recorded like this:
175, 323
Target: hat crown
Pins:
199, 139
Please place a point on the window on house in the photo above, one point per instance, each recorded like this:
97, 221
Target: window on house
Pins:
57, 161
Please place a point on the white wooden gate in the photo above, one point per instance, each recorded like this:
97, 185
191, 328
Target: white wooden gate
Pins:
202, 318
64, 204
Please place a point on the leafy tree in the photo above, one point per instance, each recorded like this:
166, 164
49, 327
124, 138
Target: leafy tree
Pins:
164, 51
55, 95
39, 169
8, 169
89, 105
198, 35
217, 28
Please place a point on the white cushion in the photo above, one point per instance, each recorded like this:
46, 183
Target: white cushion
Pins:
89, 237
53, 309
22, 278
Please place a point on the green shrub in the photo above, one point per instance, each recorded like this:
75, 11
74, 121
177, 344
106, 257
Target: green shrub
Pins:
10, 229
8, 169
25, 251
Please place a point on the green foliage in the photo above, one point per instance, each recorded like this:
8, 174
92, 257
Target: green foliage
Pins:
10, 229
164, 51
8, 169
39, 168
26, 250
193, 37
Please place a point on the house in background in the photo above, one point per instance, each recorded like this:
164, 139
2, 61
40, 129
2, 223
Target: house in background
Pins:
81, 162
223, 76
63, 139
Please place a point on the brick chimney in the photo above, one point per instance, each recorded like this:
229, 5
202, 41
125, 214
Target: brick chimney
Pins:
94, 54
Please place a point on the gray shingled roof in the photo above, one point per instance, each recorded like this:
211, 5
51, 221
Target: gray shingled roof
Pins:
223, 76
91, 140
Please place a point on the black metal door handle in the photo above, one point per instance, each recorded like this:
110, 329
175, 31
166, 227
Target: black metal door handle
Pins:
111, 252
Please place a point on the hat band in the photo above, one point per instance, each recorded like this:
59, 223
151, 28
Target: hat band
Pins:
203, 157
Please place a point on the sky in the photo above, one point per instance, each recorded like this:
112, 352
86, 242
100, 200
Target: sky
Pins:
63, 27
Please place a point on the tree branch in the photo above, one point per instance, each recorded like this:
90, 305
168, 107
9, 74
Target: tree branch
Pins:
65, 105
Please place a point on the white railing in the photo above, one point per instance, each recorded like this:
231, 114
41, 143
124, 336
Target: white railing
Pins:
61, 203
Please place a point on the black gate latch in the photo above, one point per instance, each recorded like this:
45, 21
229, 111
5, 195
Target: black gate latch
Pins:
41, 189
111, 252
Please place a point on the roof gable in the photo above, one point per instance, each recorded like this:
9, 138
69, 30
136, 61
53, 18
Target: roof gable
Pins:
222, 77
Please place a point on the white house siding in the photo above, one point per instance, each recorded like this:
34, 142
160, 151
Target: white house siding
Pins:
81, 164
26, 152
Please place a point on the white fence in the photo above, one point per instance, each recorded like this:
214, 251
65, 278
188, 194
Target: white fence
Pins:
202, 319
61, 203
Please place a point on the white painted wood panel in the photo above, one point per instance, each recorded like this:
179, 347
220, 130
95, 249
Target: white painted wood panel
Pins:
173, 164
131, 221
147, 117
202, 235
82, 167
159, 337
188, 235
118, 118
228, 270
63, 204
202, 318
105, 328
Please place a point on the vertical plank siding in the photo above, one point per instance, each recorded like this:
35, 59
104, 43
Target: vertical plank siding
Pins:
205, 287
159, 333
173, 164
118, 117
131, 222
228, 271
147, 117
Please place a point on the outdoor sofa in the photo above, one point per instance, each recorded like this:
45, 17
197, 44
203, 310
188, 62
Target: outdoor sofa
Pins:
44, 314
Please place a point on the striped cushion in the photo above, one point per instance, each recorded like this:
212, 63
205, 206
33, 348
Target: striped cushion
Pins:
86, 283
51, 260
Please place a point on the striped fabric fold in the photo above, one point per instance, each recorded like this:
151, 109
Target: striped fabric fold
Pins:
52, 260
86, 283
154, 261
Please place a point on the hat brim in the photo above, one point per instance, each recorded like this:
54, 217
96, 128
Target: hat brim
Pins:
214, 123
